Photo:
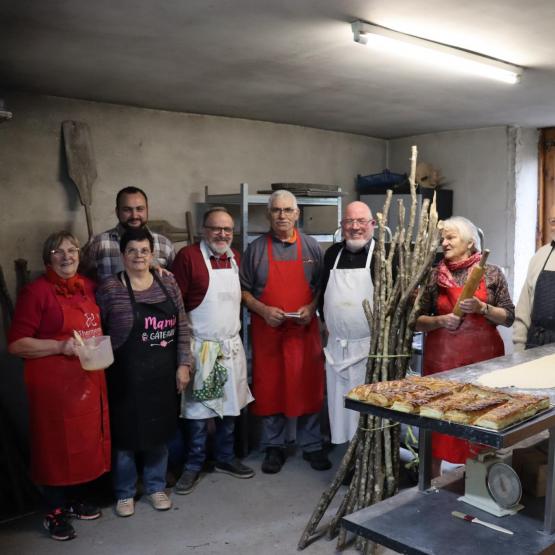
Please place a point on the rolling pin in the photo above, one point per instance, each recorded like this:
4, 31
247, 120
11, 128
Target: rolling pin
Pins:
472, 283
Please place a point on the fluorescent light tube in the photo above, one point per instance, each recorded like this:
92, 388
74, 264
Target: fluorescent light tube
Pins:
442, 55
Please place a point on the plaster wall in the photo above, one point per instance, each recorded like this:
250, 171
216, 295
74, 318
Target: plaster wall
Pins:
172, 156
493, 173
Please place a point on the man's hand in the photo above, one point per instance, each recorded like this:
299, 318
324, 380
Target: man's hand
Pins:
449, 321
182, 377
162, 271
306, 313
273, 316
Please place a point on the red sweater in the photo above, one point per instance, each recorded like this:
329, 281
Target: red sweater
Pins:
38, 313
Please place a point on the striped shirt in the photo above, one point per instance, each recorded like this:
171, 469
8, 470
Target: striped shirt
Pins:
117, 314
102, 254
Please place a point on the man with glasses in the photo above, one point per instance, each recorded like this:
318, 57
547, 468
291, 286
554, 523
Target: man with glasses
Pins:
347, 281
535, 311
102, 256
280, 279
208, 276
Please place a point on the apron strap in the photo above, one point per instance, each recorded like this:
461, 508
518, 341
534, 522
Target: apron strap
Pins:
545, 263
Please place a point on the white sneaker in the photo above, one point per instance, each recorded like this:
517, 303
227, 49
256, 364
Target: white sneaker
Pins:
160, 501
125, 507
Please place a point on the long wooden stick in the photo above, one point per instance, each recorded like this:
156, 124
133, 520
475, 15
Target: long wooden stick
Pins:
374, 450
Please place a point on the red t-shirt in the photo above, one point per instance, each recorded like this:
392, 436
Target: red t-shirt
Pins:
38, 313
191, 273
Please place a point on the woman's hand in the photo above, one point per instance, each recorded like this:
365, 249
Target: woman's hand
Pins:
472, 306
182, 377
449, 321
67, 347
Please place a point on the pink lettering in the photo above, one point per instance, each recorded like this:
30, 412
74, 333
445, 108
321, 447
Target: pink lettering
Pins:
154, 323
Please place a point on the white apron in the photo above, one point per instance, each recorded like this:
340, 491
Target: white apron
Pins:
348, 341
217, 319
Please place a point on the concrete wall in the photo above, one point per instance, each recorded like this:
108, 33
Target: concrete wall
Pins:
171, 156
493, 173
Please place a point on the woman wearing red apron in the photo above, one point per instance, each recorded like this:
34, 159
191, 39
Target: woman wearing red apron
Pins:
68, 408
451, 341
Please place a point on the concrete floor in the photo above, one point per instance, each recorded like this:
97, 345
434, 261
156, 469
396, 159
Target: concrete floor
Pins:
222, 516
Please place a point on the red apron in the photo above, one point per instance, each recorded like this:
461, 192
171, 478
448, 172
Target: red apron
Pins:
474, 341
68, 407
288, 365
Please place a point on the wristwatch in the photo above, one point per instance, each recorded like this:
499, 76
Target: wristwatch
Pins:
485, 310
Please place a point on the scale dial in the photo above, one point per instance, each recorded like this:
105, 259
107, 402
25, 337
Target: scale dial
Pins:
504, 485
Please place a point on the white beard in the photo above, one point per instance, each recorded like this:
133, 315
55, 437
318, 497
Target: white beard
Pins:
354, 245
217, 249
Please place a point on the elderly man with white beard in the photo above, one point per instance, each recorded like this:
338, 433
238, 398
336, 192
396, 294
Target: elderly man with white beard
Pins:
208, 276
347, 281
535, 311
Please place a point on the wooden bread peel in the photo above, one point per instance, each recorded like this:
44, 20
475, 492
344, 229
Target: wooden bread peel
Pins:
472, 283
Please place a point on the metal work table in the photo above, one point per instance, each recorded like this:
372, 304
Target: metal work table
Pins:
419, 521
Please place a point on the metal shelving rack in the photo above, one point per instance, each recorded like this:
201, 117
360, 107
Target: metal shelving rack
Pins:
245, 200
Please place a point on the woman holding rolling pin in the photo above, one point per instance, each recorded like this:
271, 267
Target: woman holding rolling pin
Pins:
453, 341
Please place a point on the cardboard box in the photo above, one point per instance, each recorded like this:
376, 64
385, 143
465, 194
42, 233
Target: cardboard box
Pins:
531, 466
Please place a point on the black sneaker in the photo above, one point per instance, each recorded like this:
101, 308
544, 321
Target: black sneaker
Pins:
58, 526
273, 461
82, 511
235, 468
318, 459
187, 482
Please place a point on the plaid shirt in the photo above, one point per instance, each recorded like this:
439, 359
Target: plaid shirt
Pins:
103, 255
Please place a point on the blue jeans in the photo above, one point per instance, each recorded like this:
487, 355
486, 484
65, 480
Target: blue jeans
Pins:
197, 431
124, 471
309, 437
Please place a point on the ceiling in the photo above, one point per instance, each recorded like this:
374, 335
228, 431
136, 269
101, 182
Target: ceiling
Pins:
288, 61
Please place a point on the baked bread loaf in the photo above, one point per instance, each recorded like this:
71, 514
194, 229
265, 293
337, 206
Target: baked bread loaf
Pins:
458, 402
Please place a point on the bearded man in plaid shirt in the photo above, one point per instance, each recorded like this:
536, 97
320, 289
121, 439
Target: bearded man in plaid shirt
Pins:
102, 255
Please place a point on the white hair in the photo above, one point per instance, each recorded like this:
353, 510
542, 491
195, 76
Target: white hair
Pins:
281, 193
467, 231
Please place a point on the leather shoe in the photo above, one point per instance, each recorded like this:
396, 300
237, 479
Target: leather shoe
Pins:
235, 468
318, 459
187, 482
273, 461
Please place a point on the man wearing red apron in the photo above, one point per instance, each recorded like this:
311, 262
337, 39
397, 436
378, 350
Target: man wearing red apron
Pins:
280, 279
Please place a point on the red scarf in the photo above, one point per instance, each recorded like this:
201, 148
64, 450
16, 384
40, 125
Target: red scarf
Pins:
65, 287
444, 269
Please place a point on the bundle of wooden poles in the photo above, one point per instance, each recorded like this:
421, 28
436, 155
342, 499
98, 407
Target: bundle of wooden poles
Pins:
399, 270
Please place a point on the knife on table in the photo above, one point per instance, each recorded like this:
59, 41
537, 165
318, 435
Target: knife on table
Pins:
476, 520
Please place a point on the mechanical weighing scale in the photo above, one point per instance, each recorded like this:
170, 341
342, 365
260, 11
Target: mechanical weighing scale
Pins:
492, 485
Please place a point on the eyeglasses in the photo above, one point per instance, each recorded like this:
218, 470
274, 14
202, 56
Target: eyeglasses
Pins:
217, 229
280, 211
362, 222
72, 251
135, 252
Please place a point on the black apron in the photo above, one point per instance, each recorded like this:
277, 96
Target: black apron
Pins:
542, 326
141, 383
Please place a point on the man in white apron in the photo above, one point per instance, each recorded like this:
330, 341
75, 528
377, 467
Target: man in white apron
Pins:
208, 276
347, 282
